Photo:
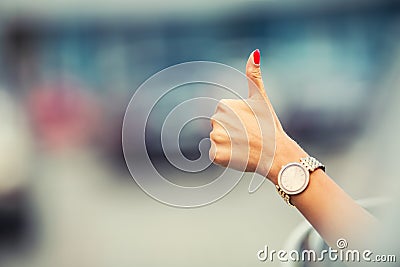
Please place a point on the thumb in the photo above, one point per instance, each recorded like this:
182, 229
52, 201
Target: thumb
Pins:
256, 84
253, 73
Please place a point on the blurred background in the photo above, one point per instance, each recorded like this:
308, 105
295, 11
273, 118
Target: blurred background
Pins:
69, 68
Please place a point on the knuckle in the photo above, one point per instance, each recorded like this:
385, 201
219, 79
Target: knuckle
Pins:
212, 152
214, 119
215, 155
212, 122
215, 136
212, 135
217, 158
223, 104
220, 158
217, 122
253, 73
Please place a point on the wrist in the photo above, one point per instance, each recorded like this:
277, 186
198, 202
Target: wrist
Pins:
287, 150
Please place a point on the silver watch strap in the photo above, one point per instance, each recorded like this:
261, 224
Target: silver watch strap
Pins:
311, 164
283, 195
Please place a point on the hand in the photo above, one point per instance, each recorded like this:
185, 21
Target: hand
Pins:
247, 135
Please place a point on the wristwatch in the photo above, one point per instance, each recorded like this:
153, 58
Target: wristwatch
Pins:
294, 177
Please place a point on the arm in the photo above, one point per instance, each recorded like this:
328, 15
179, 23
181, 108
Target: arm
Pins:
323, 203
329, 209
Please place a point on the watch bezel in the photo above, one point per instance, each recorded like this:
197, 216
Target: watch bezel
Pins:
299, 190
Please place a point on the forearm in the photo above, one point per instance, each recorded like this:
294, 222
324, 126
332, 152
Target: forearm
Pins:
330, 210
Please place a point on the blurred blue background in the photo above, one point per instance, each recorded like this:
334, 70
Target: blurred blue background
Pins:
69, 68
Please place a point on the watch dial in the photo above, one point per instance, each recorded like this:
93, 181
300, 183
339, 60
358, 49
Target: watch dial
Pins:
293, 179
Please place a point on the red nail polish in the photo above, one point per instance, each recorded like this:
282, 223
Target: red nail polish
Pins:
256, 56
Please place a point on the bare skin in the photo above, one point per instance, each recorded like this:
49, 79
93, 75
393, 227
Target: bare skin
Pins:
332, 212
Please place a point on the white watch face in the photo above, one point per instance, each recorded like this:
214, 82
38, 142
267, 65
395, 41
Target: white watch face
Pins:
293, 178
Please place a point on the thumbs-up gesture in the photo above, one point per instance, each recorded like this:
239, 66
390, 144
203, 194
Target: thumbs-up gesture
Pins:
247, 134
